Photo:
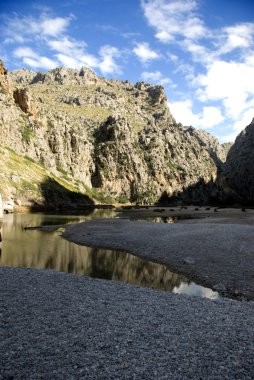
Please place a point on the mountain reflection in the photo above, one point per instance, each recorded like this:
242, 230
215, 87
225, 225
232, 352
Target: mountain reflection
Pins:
47, 250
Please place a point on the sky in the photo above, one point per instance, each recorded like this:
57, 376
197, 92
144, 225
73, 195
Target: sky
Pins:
201, 51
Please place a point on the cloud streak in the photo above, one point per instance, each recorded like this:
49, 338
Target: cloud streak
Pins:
22, 28
49, 32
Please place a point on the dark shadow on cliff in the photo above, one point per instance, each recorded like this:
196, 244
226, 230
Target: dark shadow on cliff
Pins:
57, 196
214, 193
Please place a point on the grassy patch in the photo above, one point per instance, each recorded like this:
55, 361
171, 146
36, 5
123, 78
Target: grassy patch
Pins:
26, 133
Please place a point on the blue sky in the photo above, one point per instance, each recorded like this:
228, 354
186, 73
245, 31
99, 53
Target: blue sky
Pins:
201, 51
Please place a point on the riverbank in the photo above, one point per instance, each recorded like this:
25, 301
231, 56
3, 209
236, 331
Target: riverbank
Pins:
59, 326
216, 254
191, 214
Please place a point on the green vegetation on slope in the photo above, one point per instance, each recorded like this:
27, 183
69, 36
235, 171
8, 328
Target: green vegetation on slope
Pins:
32, 184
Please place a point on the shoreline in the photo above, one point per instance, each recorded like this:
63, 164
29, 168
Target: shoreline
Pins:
218, 254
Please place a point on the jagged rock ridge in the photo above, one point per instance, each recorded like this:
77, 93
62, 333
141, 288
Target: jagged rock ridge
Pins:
114, 136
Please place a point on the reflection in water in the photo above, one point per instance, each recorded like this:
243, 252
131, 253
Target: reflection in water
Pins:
164, 219
47, 250
198, 290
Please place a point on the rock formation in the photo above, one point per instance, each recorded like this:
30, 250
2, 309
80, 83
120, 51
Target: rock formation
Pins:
1, 209
239, 173
112, 136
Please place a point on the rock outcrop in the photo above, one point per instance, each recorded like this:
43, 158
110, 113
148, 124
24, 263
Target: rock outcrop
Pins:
1, 208
239, 173
113, 136
5, 86
24, 100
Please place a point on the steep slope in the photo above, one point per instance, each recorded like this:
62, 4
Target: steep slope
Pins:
26, 182
114, 136
239, 165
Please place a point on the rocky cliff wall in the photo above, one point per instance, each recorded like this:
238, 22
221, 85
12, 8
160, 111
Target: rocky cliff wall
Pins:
114, 136
239, 170
1, 211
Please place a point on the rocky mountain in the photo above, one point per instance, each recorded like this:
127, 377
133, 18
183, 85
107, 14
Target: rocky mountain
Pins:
239, 173
108, 138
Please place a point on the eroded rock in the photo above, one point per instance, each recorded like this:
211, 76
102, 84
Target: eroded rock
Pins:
117, 137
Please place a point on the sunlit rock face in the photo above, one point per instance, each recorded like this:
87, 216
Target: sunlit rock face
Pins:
1, 207
239, 169
112, 136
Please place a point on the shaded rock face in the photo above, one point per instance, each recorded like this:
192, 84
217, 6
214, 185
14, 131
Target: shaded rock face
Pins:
113, 136
24, 100
5, 86
239, 172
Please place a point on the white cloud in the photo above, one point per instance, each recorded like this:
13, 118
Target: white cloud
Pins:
66, 45
24, 51
89, 60
155, 77
40, 62
72, 53
230, 82
145, 53
173, 57
209, 117
108, 65
238, 125
21, 29
47, 31
239, 36
182, 112
173, 19
200, 53
54, 26
68, 61
34, 60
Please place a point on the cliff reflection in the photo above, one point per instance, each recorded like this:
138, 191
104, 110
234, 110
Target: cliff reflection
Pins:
47, 250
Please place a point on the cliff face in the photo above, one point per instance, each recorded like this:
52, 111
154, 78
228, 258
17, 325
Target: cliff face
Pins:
113, 136
239, 165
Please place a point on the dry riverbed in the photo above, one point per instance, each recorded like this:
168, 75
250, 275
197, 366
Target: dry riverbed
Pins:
61, 326
58, 326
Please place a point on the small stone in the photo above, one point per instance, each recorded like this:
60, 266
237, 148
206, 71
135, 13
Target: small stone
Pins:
189, 260
15, 179
220, 287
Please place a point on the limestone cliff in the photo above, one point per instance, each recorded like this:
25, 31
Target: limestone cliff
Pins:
1, 212
111, 136
239, 166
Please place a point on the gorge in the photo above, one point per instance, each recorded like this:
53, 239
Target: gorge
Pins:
69, 137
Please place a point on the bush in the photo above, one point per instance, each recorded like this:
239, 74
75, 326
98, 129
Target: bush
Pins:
26, 133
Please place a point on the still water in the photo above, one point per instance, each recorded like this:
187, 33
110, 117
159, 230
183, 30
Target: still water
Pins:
47, 250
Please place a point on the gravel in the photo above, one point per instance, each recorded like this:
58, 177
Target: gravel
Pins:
63, 326
210, 254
